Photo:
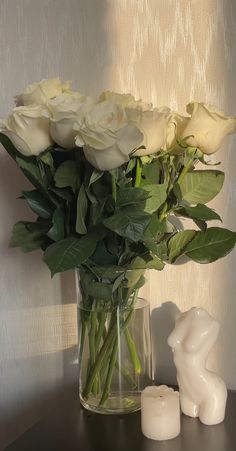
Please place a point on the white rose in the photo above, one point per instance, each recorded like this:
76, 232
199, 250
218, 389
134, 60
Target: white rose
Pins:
124, 100
154, 126
107, 136
28, 129
64, 111
114, 97
40, 93
175, 128
208, 126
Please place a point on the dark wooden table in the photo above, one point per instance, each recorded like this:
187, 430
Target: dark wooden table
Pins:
70, 428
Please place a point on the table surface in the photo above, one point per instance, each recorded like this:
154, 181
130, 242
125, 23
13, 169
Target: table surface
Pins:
68, 427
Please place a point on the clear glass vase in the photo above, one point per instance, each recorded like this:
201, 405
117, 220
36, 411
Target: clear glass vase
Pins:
114, 350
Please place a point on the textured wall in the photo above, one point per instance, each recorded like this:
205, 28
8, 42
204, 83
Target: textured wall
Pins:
170, 52
37, 315
167, 52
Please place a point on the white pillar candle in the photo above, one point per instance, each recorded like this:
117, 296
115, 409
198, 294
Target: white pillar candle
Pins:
160, 413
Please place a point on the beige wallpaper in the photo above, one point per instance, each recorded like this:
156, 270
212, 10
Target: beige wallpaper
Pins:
167, 52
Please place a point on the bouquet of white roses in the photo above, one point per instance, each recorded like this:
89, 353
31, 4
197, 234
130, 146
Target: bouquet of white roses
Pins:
108, 173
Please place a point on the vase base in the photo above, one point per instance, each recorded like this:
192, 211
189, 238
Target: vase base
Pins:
115, 404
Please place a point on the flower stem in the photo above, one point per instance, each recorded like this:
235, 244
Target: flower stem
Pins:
138, 173
112, 363
133, 352
124, 371
113, 186
185, 170
92, 347
102, 320
82, 338
97, 365
126, 375
110, 372
165, 211
106, 352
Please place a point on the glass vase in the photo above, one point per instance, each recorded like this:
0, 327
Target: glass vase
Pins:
114, 347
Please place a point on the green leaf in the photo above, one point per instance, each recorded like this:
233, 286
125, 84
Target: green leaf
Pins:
200, 186
108, 274
155, 228
178, 243
201, 212
208, 246
66, 175
46, 158
96, 211
202, 225
151, 172
45, 173
26, 237
38, 203
97, 290
130, 166
129, 223
132, 277
102, 256
130, 196
57, 231
100, 188
147, 262
155, 263
118, 281
9, 147
191, 153
96, 175
82, 208
140, 283
152, 234
40, 226
63, 193
157, 196
162, 250
69, 253
33, 173
145, 159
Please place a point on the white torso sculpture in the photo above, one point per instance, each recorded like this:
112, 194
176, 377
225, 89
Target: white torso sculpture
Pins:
203, 394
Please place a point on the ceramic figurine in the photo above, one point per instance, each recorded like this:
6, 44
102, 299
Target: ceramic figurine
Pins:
203, 394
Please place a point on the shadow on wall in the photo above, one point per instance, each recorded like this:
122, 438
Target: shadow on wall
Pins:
162, 324
12, 182
80, 51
